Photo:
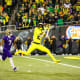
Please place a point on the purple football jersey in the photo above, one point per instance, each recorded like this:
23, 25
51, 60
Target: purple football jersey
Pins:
8, 41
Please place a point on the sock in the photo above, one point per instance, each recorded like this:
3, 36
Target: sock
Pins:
0, 57
11, 62
21, 54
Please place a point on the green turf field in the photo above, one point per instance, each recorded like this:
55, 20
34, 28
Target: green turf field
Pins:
40, 68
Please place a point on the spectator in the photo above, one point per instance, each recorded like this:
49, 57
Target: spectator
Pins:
1, 8
70, 45
57, 8
51, 9
53, 44
47, 43
18, 44
34, 5
79, 47
5, 9
61, 12
50, 3
28, 42
78, 43
2, 20
53, 2
69, 17
39, 17
19, 27
65, 10
73, 1
67, 4
75, 17
79, 15
9, 5
57, 2
56, 16
6, 18
74, 9
63, 42
60, 21
61, 3
42, 9
51, 18
34, 22
71, 9
18, 19
25, 20
65, 16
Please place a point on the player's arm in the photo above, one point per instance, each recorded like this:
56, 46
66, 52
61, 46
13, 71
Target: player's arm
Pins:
14, 43
48, 29
45, 32
41, 35
2, 42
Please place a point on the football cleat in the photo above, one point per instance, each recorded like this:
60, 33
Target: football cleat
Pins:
14, 69
57, 61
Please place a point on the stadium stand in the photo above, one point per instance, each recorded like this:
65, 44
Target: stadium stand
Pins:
31, 12
6, 7
27, 14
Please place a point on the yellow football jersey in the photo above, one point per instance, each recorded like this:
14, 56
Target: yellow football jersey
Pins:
36, 37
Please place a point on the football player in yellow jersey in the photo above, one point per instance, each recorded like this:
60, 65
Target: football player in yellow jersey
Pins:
39, 33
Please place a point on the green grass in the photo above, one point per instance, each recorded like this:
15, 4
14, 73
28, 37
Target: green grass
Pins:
31, 69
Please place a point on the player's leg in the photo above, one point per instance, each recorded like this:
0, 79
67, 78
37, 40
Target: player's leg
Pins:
4, 55
1, 51
0, 56
44, 49
18, 51
7, 52
12, 64
30, 49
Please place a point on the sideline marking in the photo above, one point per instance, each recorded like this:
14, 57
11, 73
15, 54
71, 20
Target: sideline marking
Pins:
73, 57
53, 62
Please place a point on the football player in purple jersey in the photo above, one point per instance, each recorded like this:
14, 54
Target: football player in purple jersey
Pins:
7, 42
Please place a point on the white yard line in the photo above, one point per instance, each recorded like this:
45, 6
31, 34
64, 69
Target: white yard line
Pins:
53, 62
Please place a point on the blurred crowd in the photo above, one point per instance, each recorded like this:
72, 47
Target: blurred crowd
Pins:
31, 12
6, 7
57, 46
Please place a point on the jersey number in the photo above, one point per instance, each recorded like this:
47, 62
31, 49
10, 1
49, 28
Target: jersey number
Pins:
10, 42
